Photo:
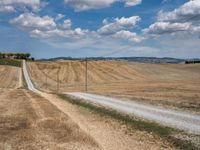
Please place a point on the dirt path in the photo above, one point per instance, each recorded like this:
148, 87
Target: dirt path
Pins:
28, 121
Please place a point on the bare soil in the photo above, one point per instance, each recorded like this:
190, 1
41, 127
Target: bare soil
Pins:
169, 85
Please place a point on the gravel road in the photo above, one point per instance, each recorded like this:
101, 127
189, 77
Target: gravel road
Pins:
176, 119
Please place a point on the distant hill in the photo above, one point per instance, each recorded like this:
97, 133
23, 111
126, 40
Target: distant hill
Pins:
131, 59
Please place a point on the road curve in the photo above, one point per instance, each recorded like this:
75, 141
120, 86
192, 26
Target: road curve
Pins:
176, 119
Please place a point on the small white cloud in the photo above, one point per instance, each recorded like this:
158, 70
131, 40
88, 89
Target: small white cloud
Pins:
58, 33
66, 24
7, 9
160, 28
127, 35
30, 20
129, 3
59, 17
81, 5
119, 24
11, 5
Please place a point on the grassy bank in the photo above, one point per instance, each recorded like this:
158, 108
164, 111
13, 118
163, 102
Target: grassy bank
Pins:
132, 123
16, 63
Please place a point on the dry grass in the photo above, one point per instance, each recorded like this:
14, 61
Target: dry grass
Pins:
28, 121
9, 77
169, 85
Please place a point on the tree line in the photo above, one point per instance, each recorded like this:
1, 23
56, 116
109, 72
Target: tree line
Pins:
15, 56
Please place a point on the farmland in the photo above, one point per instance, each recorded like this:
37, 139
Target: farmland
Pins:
32, 121
29, 121
168, 85
10, 77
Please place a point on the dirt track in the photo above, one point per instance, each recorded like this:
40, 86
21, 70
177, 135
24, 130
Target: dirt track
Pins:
169, 85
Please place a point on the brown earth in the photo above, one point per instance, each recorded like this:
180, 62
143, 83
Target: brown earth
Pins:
169, 85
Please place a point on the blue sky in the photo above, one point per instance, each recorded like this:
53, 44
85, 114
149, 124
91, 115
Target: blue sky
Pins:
84, 28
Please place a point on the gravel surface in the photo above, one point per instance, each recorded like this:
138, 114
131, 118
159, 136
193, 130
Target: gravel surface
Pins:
176, 119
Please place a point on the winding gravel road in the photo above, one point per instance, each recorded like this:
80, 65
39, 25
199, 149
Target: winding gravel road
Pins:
176, 119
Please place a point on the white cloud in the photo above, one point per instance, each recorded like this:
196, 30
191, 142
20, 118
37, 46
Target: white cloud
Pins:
67, 24
7, 9
118, 24
184, 19
131, 36
189, 11
129, 3
46, 27
58, 33
30, 20
11, 5
160, 28
81, 5
59, 17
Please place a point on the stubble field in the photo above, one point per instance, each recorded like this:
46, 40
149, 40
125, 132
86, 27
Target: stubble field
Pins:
168, 85
30, 121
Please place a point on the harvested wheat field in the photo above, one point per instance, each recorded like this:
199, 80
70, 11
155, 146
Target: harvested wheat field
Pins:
10, 77
29, 121
169, 85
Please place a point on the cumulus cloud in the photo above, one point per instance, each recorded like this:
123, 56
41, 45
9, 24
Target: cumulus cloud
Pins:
186, 18
46, 27
72, 34
127, 35
11, 5
118, 24
30, 20
160, 28
189, 11
81, 5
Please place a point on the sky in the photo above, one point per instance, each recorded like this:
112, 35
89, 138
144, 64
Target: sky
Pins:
96, 28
